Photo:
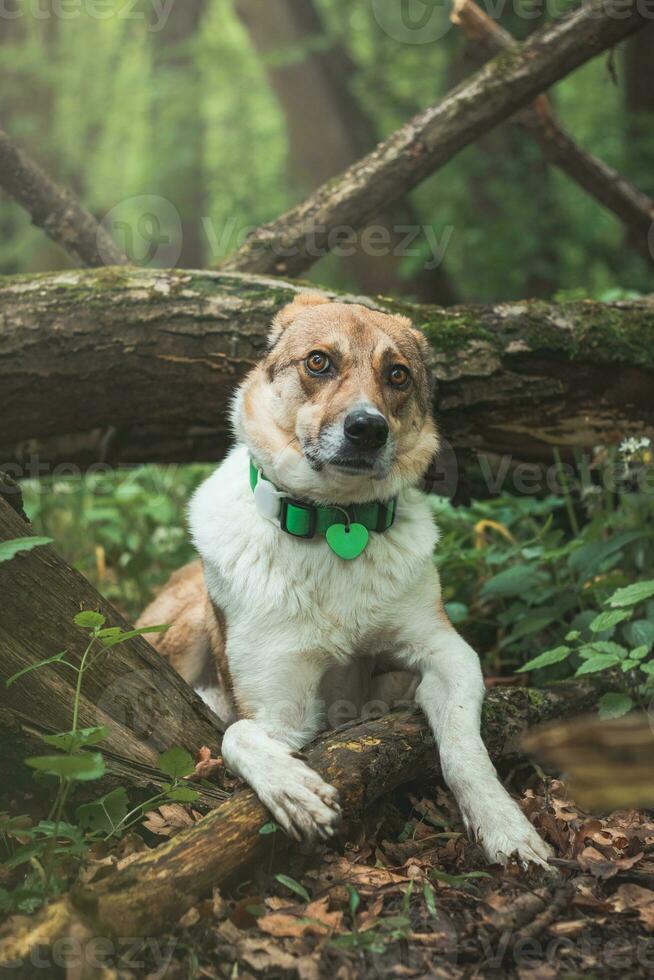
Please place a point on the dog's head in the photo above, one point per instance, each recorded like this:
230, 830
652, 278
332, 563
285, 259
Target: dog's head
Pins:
339, 410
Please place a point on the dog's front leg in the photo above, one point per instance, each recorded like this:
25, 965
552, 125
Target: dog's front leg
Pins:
450, 693
280, 695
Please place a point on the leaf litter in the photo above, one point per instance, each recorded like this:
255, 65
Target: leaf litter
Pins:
408, 895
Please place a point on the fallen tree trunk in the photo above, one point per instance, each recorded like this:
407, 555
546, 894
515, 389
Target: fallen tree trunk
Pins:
363, 761
132, 366
145, 705
294, 241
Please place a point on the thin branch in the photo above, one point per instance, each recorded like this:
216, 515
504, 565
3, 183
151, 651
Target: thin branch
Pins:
601, 182
510, 81
54, 209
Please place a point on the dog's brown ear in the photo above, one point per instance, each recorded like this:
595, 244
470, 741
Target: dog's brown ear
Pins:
423, 343
288, 313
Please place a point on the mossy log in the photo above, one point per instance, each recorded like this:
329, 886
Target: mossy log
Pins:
145, 705
364, 760
130, 366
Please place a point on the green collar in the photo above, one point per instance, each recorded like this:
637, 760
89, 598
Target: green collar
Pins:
345, 528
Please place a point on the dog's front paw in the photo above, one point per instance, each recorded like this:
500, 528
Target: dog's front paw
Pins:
302, 803
504, 832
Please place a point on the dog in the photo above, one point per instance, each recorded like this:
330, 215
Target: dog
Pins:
316, 593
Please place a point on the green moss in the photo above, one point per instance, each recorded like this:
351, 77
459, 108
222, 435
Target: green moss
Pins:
618, 334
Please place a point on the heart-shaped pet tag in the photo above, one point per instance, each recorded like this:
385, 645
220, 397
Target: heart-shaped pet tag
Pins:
347, 541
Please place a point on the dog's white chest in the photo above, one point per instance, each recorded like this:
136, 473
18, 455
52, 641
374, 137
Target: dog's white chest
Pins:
296, 592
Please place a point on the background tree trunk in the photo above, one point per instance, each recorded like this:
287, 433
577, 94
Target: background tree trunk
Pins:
328, 129
126, 366
639, 98
177, 95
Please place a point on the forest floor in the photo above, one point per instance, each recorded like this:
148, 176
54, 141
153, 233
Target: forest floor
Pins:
407, 895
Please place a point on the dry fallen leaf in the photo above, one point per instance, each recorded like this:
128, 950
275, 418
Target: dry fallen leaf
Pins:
169, 819
312, 920
632, 897
190, 917
601, 866
262, 954
362, 876
568, 927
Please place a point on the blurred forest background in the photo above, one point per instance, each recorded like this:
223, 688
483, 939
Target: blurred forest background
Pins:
232, 110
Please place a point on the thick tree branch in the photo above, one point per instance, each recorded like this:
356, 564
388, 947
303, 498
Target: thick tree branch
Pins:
125, 365
601, 182
54, 209
510, 81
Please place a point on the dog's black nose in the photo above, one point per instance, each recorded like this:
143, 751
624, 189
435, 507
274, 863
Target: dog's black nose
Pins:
366, 430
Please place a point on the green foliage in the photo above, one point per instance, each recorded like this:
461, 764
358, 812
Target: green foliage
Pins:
54, 847
125, 531
176, 763
270, 827
593, 655
294, 886
533, 596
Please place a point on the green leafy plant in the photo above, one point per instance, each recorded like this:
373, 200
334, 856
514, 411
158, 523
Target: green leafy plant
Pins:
595, 648
520, 573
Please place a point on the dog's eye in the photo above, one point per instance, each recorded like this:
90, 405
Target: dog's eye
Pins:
317, 362
399, 377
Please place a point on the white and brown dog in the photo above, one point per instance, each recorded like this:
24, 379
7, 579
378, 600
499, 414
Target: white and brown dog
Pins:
317, 593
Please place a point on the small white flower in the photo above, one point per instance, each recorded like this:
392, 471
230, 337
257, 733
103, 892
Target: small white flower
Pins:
633, 445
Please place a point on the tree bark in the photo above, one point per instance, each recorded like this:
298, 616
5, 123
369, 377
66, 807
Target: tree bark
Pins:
328, 129
510, 81
54, 209
131, 366
363, 761
601, 182
145, 705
